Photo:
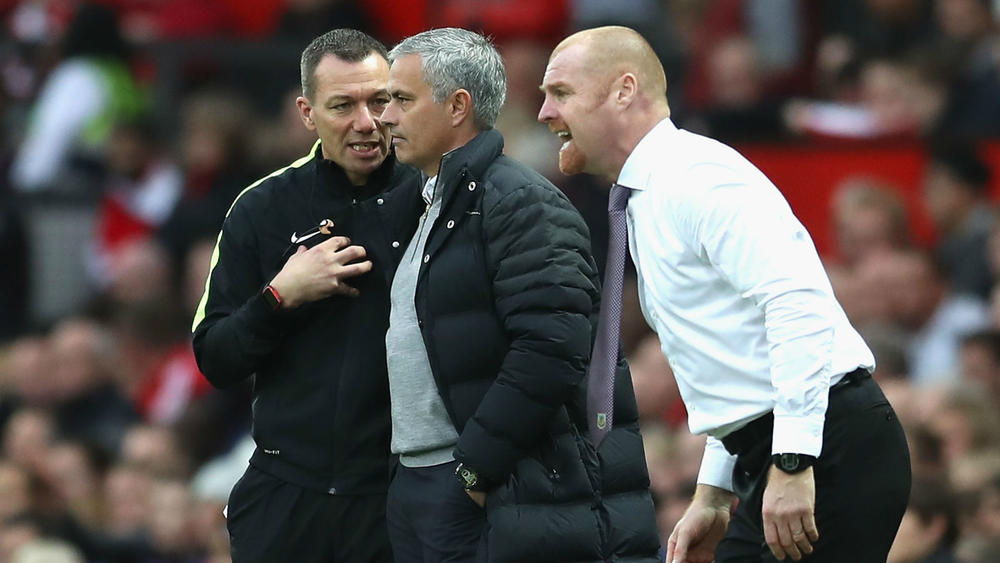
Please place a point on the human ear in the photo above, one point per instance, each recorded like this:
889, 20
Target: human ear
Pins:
305, 112
459, 106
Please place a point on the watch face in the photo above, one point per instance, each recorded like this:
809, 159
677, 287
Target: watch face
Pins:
272, 300
468, 476
789, 462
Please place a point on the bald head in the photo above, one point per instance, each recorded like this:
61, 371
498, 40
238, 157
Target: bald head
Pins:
604, 90
611, 51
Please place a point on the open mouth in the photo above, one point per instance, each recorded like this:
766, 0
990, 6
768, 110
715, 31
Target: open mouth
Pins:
565, 136
366, 147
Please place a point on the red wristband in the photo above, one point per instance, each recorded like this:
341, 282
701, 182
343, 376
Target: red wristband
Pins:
272, 297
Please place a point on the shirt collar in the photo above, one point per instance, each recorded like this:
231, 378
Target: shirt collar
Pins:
428, 191
637, 170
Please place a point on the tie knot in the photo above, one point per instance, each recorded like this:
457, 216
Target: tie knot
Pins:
618, 198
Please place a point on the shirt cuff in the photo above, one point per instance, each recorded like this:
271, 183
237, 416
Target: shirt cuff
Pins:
798, 435
716, 466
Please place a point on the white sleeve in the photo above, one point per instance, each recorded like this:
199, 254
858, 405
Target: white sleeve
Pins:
717, 465
748, 233
73, 94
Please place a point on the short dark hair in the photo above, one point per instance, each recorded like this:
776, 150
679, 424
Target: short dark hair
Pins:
348, 45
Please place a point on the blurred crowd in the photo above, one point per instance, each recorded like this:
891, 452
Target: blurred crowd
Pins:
127, 127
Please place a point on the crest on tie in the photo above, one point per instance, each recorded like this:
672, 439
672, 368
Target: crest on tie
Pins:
602, 420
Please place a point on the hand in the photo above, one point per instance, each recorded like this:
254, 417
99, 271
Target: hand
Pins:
318, 272
478, 497
788, 511
702, 527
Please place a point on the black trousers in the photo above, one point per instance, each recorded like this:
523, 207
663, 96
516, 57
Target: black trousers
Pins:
862, 480
271, 520
432, 519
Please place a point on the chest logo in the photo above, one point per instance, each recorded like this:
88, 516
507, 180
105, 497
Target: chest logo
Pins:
322, 229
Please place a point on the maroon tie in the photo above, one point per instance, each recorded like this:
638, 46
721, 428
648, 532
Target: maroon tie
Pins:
601, 375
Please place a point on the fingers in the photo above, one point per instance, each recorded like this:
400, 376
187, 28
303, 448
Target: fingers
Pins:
808, 534
809, 526
334, 243
801, 542
792, 538
345, 255
771, 537
349, 271
341, 288
672, 546
680, 544
352, 270
787, 544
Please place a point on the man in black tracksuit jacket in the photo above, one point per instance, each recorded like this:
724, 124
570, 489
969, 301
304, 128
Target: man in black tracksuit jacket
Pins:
493, 309
298, 298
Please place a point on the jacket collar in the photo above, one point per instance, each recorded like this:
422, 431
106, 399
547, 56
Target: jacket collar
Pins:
473, 157
331, 176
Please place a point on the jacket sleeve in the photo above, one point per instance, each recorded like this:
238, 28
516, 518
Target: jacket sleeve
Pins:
234, 328
539, 251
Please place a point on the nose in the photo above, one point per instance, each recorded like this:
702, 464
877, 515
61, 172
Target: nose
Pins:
546, 112
389, 116
365, 122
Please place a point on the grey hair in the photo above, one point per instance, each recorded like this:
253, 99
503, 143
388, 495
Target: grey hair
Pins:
453, 59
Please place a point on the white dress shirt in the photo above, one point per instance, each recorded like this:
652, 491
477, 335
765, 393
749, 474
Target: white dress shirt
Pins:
732, 284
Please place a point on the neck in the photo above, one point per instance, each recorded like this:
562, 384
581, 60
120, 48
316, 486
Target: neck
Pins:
633, 132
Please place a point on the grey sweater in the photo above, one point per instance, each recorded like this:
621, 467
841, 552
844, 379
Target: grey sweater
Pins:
422, 431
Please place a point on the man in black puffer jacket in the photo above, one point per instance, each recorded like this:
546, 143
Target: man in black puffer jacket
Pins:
493, 310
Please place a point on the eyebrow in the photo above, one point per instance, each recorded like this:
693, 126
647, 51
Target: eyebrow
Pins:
349, 98
553, 86
400, 92
339, 98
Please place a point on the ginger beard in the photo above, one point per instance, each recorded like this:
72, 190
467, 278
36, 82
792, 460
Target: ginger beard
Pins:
572, 160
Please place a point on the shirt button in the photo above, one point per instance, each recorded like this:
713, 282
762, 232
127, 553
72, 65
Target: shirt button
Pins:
451, 224
332, 491
380, 201
395, 244
427, 258
472, 186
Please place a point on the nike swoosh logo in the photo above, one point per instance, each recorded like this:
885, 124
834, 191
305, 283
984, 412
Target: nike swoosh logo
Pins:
296, 240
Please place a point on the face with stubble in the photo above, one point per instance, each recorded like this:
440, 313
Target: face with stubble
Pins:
345, 110
576, 107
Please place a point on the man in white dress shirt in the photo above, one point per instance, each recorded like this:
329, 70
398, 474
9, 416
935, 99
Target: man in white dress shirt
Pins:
765, 358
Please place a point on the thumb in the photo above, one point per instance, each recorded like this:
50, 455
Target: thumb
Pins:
300, 249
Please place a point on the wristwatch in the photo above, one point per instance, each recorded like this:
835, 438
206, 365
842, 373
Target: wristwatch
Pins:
793, 463
272, 298
469, 478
